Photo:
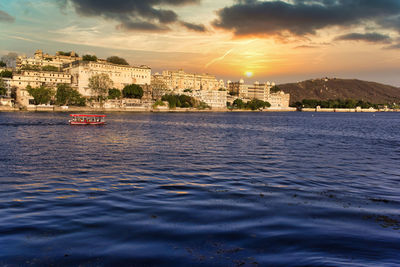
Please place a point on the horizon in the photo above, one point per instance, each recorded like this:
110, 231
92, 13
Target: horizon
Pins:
277, 41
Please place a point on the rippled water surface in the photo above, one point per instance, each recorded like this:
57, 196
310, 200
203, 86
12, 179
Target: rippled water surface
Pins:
223, 189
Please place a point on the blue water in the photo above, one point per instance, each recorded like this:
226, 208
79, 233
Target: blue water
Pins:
202, 189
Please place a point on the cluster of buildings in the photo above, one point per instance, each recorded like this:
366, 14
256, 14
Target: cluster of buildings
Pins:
68, 68
261, 91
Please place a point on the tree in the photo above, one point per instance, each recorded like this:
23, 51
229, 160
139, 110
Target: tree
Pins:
114, 93
89, 58
30, 67
14, 92
159, 88
50, 68
117, 60
3, 64
66, 96
133, 91
182, 101
100, 84
10, 59
41, 95
257, 104
275, 89
238, 103
62, 53
3, 89
6, 74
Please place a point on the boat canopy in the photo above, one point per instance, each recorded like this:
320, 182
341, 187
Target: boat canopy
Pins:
81, 115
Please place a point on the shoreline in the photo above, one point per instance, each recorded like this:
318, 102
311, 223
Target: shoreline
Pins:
185, 110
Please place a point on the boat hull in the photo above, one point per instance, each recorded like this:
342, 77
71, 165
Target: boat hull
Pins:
86, 123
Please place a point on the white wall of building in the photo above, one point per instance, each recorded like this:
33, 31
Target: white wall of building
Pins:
121, 75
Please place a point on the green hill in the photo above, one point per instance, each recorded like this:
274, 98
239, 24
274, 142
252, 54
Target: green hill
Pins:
326, 88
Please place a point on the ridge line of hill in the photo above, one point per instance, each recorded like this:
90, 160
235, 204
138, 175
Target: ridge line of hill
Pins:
335, 88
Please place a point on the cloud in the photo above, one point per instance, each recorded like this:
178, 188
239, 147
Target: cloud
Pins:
5, 17
194, 27
304, 17
137, 15
366, 37
306, 47
393, 47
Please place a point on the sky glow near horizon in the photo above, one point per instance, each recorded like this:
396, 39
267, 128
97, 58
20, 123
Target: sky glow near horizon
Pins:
281, 41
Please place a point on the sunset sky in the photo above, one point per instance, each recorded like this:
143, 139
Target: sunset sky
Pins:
281, 41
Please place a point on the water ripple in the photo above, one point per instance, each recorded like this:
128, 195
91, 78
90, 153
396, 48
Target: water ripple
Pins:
207, 189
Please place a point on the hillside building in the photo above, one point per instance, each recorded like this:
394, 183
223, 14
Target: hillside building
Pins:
41, 59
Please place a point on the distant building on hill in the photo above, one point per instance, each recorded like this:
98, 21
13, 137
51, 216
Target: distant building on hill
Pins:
121, 75
40, 60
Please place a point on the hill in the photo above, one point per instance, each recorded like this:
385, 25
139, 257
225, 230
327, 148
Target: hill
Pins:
326, 88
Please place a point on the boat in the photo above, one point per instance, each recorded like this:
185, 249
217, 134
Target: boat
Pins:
82, 119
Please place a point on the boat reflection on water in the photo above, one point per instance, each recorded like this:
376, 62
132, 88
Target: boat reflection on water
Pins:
82, 119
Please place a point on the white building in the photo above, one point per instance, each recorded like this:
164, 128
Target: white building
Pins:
36, 79
121, 75
261, 91
214, 98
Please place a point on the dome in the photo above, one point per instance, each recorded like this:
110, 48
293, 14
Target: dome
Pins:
241, 81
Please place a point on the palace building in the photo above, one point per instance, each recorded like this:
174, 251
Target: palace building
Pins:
121, 75
22, 80
177, 80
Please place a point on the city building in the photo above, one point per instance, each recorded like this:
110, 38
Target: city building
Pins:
21, 80
41, 59
121, 75
180, 80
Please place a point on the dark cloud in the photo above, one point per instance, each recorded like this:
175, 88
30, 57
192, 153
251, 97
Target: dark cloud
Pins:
395, 46
5, 17
304, 17
366, 37
143, 15
194, 27
391, 22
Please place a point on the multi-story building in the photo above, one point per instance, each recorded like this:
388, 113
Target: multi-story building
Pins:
261, 91
279, 100
36, 79
121, 75
178, 80
216, 99
40, 60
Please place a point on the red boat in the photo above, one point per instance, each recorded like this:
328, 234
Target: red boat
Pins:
81, 119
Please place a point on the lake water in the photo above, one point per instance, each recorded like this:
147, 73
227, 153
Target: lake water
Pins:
201, 189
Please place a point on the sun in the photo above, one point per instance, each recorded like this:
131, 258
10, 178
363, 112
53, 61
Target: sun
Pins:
249, 74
